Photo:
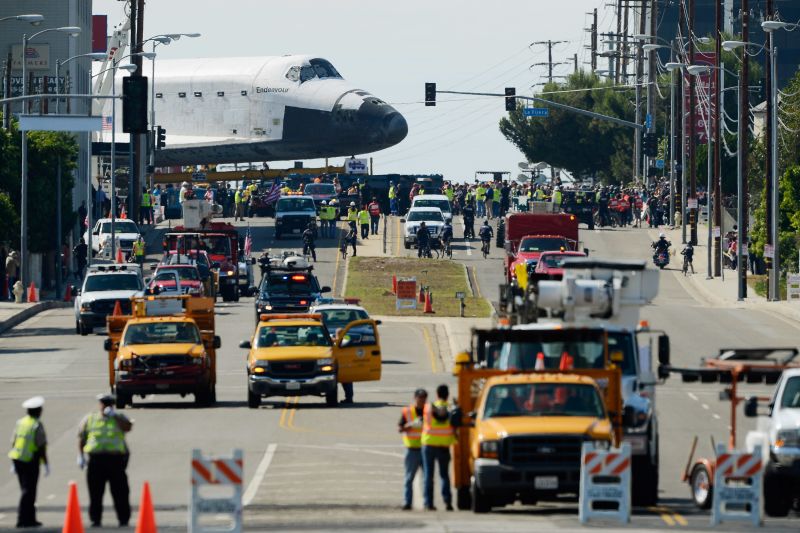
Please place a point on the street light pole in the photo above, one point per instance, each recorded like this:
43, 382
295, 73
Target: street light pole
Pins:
775, 273
671, 217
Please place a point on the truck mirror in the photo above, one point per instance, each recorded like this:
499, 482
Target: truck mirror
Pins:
402, 221
586, 251
663, 349
378, 322
108, 345
217, 342
751, 407
75, 290
325, 289
245, 345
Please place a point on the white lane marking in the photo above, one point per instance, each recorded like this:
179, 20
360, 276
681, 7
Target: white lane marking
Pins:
252, 488
466, 242
692, 396
716, 416
706, 407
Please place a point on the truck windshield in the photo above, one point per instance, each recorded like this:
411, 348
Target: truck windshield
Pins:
183, 273
112, 282
585, 353
120, 226
557, 260
295, 204
285, 336
161, 333
444, 205
428, 216
791, 394
543, 399
216, 244
543, 244
339, 318
320, 188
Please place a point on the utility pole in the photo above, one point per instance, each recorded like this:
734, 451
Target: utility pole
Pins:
770, 15
694, 215
716, 124
618, 43
135, 139
575, 60
549, 61
594, 41
640, 166
625, 47
652, 61
743, 217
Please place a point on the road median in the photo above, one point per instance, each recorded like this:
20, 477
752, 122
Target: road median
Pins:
370, 280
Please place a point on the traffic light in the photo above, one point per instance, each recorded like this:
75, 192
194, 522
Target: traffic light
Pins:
161, 137
650, 145
134, 104
511, 100
430, 94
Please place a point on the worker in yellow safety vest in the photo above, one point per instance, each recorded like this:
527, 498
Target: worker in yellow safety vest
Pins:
438, 435
238, 201
538, 196
480, 198
352, 213
138, 250
327, 217
101, 436
146, 207
393, 199
557, 197
363, 221
411, 427
28, 452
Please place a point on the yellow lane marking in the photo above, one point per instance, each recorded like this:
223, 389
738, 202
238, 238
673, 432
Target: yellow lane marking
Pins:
283, 412
290, 422
680, 519
477, 285
668, 516
429, 345
338, 258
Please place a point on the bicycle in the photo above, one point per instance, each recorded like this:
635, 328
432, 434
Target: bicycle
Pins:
343, 250
447, 249
485, 249
426, 252
686, 264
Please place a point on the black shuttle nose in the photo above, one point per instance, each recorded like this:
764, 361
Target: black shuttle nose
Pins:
383, 123
395, 128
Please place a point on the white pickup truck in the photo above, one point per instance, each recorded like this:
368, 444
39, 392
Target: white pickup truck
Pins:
778, 433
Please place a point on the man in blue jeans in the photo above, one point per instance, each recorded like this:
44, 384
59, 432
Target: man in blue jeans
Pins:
410, 426
438, 435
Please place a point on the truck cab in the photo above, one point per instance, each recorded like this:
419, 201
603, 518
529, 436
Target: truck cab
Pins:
526, 235
293, 213
103, 287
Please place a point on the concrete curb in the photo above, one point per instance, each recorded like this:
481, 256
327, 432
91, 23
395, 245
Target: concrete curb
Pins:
27, 313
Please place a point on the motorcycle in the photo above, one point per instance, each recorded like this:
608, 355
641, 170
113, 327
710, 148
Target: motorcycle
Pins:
661, 259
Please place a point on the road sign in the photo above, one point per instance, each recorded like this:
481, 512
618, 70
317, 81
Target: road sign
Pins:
648, 121
460, 295
406, 293
659, 163
536, 112
691, 203
715, 232
793, 287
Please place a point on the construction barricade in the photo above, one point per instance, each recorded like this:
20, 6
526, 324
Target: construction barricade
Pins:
738, 486
204, 510
605, 488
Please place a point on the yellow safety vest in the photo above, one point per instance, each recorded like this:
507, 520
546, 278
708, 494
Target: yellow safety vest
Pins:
327, 213
363, 216
434, 432
449, 193
103, 435
413, 437
352, 215
146, 202
557, 197
392, 192
480, 194
24, 440
237, 197
138, 248
539, 194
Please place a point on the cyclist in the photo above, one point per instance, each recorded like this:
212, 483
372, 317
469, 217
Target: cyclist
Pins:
350, 239
485, 233
688, 254
308, 241
447, 235
423, 240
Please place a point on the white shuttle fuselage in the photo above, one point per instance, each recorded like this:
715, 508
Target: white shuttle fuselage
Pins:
233, 110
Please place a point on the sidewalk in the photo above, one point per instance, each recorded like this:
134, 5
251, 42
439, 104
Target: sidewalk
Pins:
12, 314
717, 291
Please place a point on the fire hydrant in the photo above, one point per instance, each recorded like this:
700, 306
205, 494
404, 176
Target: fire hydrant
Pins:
19, 291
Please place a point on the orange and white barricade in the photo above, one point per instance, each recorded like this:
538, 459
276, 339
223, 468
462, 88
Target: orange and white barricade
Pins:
738, 486
216, 471
605, 490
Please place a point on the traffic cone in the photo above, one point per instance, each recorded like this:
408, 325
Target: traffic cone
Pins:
119, 258
146, 523
32, 293
117, 309
428, 303
73, 523
123, 214
539, 361
394, 284
421, 298
68, 294
567, 362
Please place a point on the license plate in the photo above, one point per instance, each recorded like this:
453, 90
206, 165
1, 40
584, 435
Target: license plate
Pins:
162, 386
296, 230
546, 482
293, 386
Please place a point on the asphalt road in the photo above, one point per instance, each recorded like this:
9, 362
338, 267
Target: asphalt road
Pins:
308, 467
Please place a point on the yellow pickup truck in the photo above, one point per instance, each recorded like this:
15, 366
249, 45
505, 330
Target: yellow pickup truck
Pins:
296, 355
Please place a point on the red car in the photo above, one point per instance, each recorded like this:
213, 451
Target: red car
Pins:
177, 279
550, 265
533, 246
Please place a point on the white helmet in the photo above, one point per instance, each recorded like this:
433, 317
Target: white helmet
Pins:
662, 236
352, 204
323, 202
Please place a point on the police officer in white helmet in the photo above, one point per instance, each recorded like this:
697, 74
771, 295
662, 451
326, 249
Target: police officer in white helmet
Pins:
28, 452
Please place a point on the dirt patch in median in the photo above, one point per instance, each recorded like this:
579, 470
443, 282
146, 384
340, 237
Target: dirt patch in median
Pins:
370, 279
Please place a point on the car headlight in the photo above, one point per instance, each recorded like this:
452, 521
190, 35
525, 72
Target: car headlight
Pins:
490, 449
193, 290
231, 272
86, 306
788, 438
125, 365
264, 308
261, 367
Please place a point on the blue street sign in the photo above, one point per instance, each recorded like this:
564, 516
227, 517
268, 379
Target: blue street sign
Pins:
648, 121
659, 163
536, 112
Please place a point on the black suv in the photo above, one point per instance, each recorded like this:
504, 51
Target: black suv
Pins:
288, 290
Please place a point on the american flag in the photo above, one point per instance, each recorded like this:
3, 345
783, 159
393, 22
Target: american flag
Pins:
248, 243
107, 124
273, 194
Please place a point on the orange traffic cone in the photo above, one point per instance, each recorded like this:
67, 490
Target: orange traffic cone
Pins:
73, 523
146, 523
117, 309
394, 284
119, 258
68, 294
567, 362
123, 214
428, 303
32, 293
421, 298
539, 361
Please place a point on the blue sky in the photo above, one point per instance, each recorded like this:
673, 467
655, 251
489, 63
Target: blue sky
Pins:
391, 49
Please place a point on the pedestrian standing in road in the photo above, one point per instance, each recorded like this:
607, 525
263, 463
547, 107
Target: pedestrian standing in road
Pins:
238, 200
101, 437
438, 435
393, 199
146, 208
363, 221
489, 201
139, 250
80, 252
309, 244
351, 238
374, 209
28, 452
411, 427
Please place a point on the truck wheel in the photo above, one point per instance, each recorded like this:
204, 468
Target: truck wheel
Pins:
645, 482
590, 223
213, 394
700, 483
776, 502
463, 499
202, 398
407, 245
480, 503
235, 296
253, 400
122, 400
332, 398
83, 329
77, 327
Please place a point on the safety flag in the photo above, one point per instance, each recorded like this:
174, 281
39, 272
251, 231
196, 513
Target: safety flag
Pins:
273, 194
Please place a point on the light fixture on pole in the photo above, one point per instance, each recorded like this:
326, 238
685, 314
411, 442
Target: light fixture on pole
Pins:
73, 31
94, 56
34, 18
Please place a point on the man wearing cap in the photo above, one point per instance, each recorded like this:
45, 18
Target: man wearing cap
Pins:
28, 451
101, 436
411, 427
